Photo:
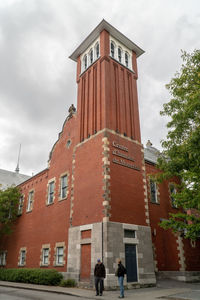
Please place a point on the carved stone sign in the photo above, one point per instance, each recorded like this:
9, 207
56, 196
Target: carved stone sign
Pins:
120, 161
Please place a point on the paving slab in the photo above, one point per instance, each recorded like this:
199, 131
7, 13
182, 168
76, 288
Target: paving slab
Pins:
164, 290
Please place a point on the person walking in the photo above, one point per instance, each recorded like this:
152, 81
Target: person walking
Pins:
121, 271
99, 275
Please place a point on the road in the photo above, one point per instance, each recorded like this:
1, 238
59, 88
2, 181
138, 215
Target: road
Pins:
7, 293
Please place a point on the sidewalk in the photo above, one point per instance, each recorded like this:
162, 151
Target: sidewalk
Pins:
167, 289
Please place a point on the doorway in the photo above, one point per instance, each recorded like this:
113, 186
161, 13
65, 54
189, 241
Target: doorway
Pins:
131, 262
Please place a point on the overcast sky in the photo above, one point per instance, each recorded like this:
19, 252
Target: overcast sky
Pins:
37, 79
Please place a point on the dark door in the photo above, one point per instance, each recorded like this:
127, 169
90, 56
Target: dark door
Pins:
131, 262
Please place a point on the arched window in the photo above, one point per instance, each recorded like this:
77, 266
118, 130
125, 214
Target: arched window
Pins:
126, 59
97, 50
91, 56
85, 61
119, 54
112, 49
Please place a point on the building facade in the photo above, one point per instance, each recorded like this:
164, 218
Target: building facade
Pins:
96, 199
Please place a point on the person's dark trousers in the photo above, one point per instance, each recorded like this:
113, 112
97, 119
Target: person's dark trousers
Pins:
99, 281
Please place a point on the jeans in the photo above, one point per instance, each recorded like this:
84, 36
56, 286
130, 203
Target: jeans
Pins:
99, 281
121, 285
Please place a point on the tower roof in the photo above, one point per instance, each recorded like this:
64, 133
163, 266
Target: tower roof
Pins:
113, 31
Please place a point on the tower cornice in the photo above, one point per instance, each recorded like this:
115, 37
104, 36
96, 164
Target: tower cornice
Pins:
104, 25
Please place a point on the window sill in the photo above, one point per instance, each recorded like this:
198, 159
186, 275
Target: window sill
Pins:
21, 266
59, 265
44, 265
157, 203
89, 66
49, 204
61, 199
129, 69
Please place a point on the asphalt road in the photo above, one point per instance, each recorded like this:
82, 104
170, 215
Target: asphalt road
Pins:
7, 293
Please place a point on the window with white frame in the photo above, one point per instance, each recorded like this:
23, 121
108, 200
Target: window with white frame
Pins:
91, 56
30, 201
20, 206
126, 59
97, 50
22, 259
63, 186
51, 192
172, 190
85, 62
119, 54
153, 191
45, 256
2, 258
112, 49
59, 255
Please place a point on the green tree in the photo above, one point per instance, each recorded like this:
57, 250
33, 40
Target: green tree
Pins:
9, 202
181, 155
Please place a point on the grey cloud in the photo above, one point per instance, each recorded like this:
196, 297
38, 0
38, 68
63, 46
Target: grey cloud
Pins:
37, 80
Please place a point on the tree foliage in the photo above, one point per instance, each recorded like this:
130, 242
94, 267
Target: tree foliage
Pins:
181, 155
9, 202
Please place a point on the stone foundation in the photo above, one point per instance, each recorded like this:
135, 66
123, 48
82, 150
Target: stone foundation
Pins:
186, 276
108, 243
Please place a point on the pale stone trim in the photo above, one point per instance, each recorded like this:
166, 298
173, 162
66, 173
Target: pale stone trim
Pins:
72, 186
45, 246
59, 186
155, 258
4, 252
86, 227
146, 204
111, 131
86, 241
106, 179
130, 226
20, 211
31, 208
181, 253
134, 241
19, 257
50, 181
157, 191
57, 245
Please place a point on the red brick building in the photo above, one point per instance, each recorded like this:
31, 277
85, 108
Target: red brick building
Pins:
95, 199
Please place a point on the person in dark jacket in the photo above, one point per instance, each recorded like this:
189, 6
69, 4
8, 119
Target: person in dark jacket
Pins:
99, 275
121, 271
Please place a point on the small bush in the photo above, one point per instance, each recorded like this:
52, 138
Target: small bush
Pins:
68, 283
35, 276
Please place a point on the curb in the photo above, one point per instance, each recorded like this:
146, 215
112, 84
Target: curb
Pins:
49, 289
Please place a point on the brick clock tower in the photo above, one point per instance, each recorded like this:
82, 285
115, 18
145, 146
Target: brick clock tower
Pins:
109, 215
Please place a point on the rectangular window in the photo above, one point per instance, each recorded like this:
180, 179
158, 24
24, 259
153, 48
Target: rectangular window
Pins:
63, 186
30, 201
153, 191
20, 207
2, 258
59, 255
51, 192
128, 233
172, 193
45, 256
22, 257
